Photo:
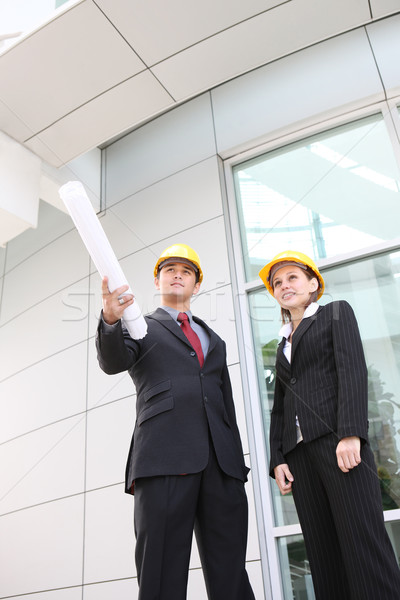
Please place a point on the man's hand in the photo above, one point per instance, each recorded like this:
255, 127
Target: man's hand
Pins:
348, 453
112, 307
283, 478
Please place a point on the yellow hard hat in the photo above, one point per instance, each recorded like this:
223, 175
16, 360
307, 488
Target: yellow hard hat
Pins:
181, 251
292, 257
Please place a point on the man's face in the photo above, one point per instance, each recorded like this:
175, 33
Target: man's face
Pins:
177, 280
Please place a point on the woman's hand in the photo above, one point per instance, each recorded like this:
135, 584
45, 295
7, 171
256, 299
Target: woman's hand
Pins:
348, 453
113, 307
284, 478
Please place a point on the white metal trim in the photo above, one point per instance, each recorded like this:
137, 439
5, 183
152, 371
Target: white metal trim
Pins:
268, 547
290, 136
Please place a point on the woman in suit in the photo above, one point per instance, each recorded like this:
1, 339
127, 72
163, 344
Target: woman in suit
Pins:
319, 440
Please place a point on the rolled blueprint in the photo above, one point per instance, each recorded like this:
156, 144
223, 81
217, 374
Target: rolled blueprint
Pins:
92, 233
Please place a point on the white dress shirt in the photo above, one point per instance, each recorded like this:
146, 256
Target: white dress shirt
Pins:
285, 331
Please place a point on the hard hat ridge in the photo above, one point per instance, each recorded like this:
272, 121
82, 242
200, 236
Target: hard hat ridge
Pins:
183, 252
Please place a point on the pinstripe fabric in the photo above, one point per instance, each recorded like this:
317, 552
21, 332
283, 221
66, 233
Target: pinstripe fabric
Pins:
350, 554
325, 384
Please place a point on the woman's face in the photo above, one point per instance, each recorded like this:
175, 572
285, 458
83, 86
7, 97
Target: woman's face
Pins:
292, 287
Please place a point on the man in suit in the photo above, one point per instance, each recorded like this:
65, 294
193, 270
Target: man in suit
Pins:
185, 464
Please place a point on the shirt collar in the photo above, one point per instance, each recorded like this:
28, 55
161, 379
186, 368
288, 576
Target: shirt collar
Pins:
173, 312
287, 328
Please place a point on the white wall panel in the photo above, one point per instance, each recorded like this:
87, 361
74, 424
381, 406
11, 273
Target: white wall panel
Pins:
45, 329
126, 589
185, 199
216, 308
46, 464
254, 571
41, 548
145, 28
236, 381
61, 594
132, 101
196, 586
2, 260
12, 125
109, 535
385, 40
164, 146
103, 388
253, 549
87, 169
66, 49
52, 223
254, 42
328, 78
46, 392
109, 432
381, 8
49, 270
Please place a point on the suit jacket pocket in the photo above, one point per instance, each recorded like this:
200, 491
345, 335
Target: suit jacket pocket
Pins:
162, 386
155, 409
157, 399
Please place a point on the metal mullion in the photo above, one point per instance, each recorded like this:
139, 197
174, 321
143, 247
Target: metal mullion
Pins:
263, 498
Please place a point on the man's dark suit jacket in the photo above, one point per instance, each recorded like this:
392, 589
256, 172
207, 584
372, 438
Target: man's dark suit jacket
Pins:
325, 383
178, 403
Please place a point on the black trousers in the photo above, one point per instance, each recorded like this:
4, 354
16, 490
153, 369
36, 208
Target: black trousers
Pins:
350, 553
167, 510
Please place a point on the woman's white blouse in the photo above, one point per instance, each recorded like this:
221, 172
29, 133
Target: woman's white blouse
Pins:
285, 332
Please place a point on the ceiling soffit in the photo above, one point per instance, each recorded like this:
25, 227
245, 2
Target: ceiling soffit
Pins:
104, 66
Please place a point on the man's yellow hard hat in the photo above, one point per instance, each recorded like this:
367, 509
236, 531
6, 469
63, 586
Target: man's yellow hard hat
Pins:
185, 253
291, 257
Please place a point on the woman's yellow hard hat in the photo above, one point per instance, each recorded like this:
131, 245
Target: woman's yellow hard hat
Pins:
184, 252
292, 257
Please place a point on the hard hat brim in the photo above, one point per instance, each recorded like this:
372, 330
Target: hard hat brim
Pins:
292, 258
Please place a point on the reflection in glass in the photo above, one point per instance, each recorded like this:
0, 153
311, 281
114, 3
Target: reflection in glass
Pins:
296, 574
320, 195
372, 287
266, 322
295, 569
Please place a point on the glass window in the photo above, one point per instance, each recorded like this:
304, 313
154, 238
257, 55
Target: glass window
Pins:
296, 575
372, 287
295, 569
332, 193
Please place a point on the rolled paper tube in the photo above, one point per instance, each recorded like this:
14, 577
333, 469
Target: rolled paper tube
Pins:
74, 196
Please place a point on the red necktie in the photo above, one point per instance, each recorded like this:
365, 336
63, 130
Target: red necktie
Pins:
191, 336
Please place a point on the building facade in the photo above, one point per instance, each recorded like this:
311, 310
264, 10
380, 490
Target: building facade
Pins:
301, 153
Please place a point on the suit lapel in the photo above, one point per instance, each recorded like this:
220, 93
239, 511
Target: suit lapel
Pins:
280, 355
212, 335
168, 322
304, 325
